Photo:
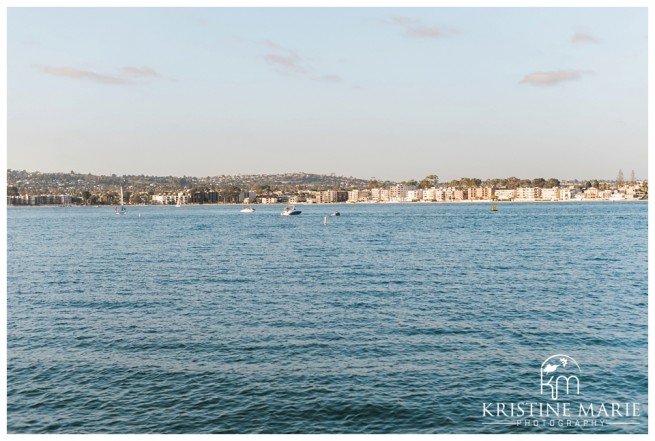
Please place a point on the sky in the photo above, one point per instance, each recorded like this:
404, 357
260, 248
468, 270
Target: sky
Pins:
390, 93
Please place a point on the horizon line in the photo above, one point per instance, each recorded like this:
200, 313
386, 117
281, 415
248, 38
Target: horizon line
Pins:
317, 174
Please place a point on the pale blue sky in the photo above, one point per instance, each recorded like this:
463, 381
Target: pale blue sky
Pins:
387, 92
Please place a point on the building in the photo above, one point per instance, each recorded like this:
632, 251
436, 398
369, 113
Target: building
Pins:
358, 195
504, 194
44, 199
429, 195
550, 194
398, 192
18, 200
474, 193
528, 193
604, 194
380, 195
247, 196
296, 199
268, 199
460, 195
488, 193
414, 195
591, 193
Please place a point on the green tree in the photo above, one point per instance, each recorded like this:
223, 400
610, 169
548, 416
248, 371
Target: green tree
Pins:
425, 183
135, 198
539, 182
433, 178
12, 191
86, 195
552, 182
512, 182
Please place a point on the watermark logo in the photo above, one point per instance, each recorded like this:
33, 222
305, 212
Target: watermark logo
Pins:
561, 404
560, 375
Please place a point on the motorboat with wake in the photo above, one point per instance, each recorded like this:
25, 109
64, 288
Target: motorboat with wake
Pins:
290, 210
247, 209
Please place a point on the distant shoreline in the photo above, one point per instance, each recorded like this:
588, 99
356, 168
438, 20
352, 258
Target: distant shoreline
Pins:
282, 204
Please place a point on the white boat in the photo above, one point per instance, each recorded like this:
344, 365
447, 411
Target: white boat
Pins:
123, 209
290, 210
248, 209
179, 200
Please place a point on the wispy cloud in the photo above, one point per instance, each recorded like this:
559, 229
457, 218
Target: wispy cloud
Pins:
417, 29
143, 71
283, 59
404, 21
288, 61
552, 78
581, 37
127, 75
424, 32
71, 72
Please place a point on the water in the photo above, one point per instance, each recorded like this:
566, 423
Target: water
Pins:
390, 318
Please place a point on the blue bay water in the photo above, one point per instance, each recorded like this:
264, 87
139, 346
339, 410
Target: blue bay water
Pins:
389, 319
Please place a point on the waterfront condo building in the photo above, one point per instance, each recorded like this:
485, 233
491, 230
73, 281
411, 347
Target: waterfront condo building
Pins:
528, 193
550, 194
380, 195
414, 195
505, 194
398, 192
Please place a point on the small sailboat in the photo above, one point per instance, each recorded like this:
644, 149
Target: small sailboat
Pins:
325, 221
179, 200
247, 209
122, 209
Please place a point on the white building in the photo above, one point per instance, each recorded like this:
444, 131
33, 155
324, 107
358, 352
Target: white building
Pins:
550, 194
398, 192
591, 193
414, 195
296, 199
247, 196
604, 194
169, 199
380, 195
505, 194
528, 193
359, 195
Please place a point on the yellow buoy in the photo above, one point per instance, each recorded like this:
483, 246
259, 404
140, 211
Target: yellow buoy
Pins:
493, 208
